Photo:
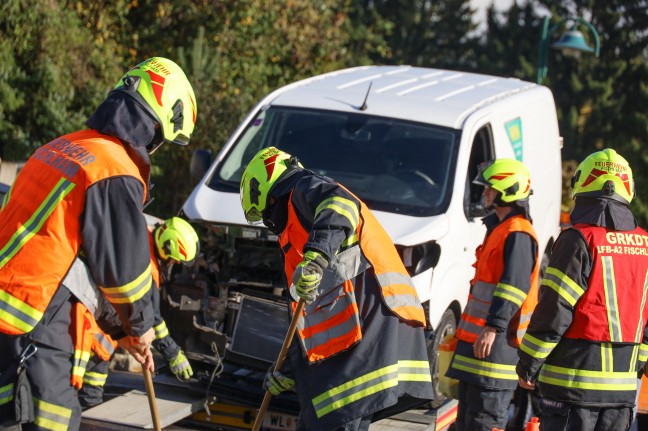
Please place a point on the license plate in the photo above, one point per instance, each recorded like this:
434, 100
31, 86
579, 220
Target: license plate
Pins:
279, 421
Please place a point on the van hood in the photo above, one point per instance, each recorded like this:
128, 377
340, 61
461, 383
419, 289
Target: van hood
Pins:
211, 206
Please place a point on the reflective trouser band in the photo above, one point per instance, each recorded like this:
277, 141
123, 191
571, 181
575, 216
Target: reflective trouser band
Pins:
535, 347
586, 379
50, 416
93, 378
161, 331
484, 368
371, 383
6, 394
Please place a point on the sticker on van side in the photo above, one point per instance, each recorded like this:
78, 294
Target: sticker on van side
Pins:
514, 132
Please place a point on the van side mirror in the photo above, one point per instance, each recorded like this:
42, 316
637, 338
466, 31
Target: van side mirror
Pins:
200, 161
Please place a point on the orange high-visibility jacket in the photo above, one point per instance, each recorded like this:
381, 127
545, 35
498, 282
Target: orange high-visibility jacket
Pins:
42, 233
485, 285
331, 324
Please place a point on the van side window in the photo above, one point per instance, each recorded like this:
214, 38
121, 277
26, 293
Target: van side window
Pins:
482, 150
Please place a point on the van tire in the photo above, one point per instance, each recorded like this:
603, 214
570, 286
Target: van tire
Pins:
447, 325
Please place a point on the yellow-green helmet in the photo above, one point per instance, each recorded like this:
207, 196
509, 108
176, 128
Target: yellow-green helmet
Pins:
259, 176
604, 174
510, 177
176, 240
163, 89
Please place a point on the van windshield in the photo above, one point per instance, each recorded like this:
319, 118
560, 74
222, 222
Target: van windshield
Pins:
392, 165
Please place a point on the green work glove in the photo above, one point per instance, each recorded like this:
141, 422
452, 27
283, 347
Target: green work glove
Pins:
180, 366
308, 275
275, 383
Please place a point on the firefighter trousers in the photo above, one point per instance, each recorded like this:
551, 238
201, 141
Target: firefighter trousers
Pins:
482, 409
559, 416
49, 370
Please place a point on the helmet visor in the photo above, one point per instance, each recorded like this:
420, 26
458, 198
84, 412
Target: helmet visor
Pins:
253, 216
479, 179
181, 140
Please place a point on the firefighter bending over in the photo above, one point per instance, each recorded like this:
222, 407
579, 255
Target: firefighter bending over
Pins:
83, 193
359, 353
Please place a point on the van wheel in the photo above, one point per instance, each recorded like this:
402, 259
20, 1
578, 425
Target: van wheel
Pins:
448, 325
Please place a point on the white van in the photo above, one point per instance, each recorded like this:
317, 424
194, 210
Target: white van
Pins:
407, 141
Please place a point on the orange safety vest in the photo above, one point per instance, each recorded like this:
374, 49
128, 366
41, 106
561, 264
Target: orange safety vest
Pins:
331, 323
42, 234
605, 313
489, 269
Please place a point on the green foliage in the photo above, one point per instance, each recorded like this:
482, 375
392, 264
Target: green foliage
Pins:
59, 58
53, 75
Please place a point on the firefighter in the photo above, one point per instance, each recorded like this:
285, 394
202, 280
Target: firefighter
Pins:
359, 352
587, 339
84, 193
173, 241
502, 296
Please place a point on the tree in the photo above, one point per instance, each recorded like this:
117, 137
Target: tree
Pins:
46, 90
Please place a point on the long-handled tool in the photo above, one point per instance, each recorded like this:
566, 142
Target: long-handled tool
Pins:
280, 360
150, 393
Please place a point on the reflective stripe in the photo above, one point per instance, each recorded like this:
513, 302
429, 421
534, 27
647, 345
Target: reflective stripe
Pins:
510, 293
483, 291
593, 380
344, 207
6, 394
643, 352
639, 332
80, 362
484, 368
535, 347
50, 416
36, 221
95, 379
352, 240
161, 331
563, 285
321, 327
131, 292
17, 313
346, 265
371, 383
105, 343
611, 305
473, 319
607, 357
81, 283
633, 359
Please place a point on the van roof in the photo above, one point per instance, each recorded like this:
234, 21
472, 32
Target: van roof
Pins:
441, 97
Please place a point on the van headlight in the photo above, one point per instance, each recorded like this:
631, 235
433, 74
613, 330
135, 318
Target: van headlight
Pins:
420, 257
